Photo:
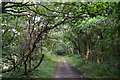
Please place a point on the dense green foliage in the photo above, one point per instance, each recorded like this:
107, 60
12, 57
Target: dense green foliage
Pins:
34, 33
93, 69
45, 70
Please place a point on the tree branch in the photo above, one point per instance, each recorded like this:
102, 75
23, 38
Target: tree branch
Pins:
15, 2
16, 11
18, 5
52, 10
37, 64
5, 32
18, 15
10, 40
40, 13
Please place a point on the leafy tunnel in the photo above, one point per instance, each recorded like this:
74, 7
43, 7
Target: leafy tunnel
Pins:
35, 34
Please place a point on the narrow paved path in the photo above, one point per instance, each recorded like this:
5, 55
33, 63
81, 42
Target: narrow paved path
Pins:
65, 70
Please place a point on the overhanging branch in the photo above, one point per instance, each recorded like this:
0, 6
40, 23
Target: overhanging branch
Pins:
18, 14
52, 10
16, 11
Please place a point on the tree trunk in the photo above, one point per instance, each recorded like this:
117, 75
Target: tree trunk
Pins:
78, 52
14, 64
72, 51
25, 63
77, 48
90, 46
87, 46
68, 51
30, 62
37, 64
82, 45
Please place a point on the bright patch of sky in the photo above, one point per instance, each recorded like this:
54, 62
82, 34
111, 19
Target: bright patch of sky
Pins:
37, 19
70, 13
3, 30
3, 24
14, 30
54, 12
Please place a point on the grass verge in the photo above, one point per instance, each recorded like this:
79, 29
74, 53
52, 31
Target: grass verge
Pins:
93, 69
46, 68
61, 59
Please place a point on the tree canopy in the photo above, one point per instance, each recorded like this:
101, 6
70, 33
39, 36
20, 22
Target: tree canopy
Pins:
30, 29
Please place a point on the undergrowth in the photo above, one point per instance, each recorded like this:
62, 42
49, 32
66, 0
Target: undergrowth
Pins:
93, 69
45, 70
